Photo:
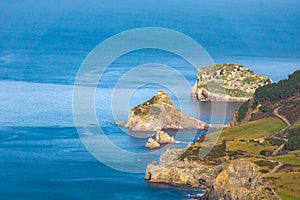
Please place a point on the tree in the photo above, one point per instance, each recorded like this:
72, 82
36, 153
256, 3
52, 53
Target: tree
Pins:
263, 152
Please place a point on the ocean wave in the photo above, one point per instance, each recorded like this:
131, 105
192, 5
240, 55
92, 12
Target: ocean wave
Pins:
183, 142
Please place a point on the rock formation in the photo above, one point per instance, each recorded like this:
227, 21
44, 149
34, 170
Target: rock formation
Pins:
163, 137
160, 138
152, 144
227, 83
174, 171
236, 179
159, 113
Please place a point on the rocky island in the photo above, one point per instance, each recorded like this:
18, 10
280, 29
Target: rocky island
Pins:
161, 138
159, 113
227, 83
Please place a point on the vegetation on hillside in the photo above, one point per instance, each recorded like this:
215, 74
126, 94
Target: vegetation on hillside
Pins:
270, 96
291, 158
291, 110
239, 141
144, 108
242, 111
286, 182
284, 89
232, 79
293, 142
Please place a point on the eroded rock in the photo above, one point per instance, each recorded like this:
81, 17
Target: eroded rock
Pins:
234, 179
163, 137
152, 144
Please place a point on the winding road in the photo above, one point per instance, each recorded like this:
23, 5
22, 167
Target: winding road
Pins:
280, 164
281, 117
276, 113
266, 174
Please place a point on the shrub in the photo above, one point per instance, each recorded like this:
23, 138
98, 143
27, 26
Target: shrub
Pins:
137, 111
263, 152
265, 163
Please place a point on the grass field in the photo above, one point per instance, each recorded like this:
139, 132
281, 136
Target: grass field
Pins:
292, 158
240, 139
249, 148
253, 130
286, 182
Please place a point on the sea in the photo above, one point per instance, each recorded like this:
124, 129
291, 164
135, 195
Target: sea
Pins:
43, 150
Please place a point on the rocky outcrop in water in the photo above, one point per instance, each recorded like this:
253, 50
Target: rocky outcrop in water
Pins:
152, 144
159, 113
163, 137
227, 83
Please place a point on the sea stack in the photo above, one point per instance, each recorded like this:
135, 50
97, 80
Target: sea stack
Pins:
164, 138
152, 144
159, 113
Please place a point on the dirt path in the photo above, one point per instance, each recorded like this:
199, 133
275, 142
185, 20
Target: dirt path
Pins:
276, 113
280, 164
274, 153
281, 117
266, 174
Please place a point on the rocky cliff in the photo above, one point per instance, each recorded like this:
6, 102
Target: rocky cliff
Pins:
227, 82
159, 113
175, 171
235, 179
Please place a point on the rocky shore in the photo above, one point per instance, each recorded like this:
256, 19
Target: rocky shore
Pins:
235, 179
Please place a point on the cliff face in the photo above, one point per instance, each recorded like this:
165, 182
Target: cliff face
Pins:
159, 113
175, 171
227, 82
236, 179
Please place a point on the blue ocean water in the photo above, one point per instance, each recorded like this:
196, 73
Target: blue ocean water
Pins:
42, 45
